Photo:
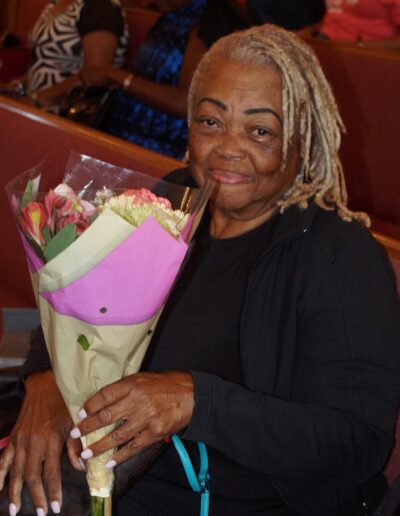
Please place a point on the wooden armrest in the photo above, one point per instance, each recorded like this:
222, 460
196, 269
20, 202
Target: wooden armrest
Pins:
391, 245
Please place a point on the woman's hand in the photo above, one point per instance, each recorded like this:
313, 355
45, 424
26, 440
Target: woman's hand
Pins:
95, 75
152, 406
36, 443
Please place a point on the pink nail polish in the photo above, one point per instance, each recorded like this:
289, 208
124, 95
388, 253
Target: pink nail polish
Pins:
75, 433
55, 507
110, 464
87, 454
40, 512
12, 509
82, 414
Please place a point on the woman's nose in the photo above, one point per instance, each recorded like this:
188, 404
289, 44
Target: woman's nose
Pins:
231, 146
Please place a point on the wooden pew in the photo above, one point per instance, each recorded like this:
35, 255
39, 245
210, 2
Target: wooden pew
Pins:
26, 136
366, 84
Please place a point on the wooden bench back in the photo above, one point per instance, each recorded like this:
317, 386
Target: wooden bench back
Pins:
366, 84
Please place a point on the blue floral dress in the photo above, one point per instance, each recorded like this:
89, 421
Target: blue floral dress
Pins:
159, 59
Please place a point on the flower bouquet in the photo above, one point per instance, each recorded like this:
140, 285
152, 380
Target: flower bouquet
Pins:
103, 249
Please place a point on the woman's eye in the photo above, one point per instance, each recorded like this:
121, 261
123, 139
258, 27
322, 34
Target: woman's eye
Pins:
209, 122
260, 132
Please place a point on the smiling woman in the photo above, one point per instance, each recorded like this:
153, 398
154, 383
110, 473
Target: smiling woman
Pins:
278, 347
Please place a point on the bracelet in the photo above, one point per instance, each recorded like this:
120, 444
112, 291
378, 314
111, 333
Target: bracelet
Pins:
127, 82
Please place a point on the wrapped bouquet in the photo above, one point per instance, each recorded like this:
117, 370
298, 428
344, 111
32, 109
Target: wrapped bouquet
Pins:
103, 249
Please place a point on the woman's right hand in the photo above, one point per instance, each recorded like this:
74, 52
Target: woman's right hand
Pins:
33, 454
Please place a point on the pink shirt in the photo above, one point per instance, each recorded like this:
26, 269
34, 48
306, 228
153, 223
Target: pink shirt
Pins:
369, 19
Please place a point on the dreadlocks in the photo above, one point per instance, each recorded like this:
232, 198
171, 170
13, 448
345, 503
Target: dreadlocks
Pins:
308, 105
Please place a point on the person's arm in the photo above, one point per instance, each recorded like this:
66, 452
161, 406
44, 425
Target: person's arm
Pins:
33, 454
168, 98
39, 433
99, 49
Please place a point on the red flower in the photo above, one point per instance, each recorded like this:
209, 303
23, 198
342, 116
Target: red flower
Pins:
64, 207
32, 220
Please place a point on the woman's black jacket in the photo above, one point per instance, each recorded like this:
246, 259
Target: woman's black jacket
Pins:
320, 348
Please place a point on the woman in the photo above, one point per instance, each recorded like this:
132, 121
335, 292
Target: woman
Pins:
150, 106
68, 35
369, 23
279, 346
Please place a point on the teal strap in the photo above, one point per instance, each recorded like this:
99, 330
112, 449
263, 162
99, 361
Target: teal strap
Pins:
199, 483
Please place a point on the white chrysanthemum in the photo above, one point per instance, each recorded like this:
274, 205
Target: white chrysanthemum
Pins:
171, 220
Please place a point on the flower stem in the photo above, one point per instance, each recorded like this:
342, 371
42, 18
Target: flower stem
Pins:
100, 506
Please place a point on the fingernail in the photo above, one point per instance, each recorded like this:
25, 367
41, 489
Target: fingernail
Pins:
110, 464
75, 433
82, 414
12, 509
82, 464
40, 512
87, 454
55, 507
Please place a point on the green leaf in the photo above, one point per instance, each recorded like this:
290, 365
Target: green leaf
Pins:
47, 235
83, 341
60, 242
35, 246
28, 194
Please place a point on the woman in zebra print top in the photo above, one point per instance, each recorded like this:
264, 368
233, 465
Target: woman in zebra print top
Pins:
68, 35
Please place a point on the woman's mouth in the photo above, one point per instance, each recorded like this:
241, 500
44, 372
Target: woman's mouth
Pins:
229, 177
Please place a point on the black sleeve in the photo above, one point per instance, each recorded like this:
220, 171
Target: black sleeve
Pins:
332, 431
289, 14
101, 15
219, 19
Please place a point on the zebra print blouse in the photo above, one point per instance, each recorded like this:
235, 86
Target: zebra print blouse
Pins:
57, 50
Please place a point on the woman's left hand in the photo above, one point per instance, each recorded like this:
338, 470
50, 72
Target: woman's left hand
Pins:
152, 406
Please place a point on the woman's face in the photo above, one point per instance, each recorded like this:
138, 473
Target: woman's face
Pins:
236, 136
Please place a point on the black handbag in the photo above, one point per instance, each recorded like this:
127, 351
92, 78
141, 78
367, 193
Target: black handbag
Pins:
89, 105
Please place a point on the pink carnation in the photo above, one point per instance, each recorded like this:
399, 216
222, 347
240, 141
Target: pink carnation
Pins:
144, 196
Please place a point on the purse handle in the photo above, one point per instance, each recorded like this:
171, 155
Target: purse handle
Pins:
199, 483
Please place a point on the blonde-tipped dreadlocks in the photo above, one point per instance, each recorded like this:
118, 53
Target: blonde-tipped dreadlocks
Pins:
308, 106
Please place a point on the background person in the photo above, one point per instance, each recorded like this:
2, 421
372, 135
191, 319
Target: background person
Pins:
370, 23
302, 16
68, 35
150, 106
278, 347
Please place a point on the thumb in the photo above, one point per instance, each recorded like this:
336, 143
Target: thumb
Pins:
74, 449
